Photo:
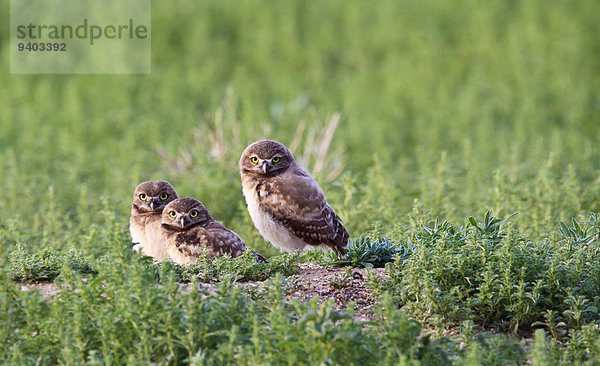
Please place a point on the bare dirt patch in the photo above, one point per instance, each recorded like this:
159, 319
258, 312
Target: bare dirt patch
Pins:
47, 289
343, 285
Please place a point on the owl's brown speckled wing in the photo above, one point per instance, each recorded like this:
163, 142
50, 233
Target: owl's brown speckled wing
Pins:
296, 201
213, 236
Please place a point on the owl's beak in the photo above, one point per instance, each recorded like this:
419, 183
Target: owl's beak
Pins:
265, 167
183, 222
152, 205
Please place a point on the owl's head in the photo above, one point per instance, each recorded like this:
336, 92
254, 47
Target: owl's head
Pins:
183, 213
153, 196
266, 157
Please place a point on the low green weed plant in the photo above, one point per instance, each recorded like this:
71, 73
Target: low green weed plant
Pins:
106, 320
243, 268
44, 264
498, 278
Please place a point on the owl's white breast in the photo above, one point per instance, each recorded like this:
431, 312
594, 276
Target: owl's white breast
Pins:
148, 234
137, 232
272, 231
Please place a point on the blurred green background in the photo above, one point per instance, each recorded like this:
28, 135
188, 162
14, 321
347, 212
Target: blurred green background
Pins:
462, 106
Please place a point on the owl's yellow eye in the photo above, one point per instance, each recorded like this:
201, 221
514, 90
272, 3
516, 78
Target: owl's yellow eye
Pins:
173, 214
276, 159
143, 197
193, 213
254, 159
164, 196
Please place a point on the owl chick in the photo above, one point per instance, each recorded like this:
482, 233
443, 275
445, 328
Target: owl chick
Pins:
286, 204
149, 199
188, 229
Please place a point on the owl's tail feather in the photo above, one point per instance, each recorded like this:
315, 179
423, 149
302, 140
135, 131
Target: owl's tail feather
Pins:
340, 237
340, 251
259, 258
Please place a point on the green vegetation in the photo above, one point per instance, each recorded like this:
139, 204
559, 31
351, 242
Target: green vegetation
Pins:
242, 269
44, 264
500, 280
405, 112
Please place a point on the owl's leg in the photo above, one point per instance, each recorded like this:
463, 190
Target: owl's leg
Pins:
137, 248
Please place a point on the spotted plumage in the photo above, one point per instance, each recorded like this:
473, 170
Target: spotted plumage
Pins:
285, 203
149, 199
188, 229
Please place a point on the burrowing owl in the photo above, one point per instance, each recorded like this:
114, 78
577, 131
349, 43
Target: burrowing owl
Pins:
188, 229
149, 199
286, 204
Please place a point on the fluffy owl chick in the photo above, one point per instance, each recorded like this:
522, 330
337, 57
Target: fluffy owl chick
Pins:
188, 229
286, 204
149, 199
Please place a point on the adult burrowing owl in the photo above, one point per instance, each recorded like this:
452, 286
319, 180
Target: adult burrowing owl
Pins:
286, 204
188, 229
149, 199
